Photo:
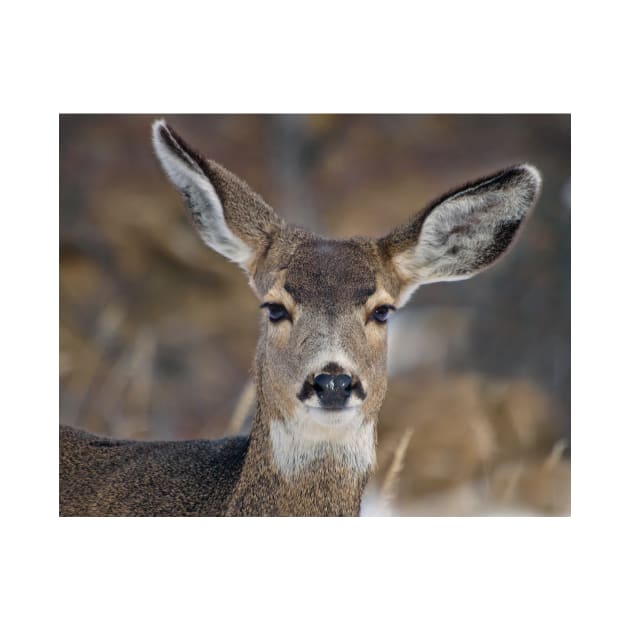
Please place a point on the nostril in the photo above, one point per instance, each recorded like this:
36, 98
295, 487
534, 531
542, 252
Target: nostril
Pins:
323, 382
343, 382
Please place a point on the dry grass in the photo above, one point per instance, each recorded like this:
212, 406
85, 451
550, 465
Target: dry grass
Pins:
243, 409
390, 482
479, 446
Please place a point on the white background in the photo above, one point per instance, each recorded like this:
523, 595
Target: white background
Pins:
167, 57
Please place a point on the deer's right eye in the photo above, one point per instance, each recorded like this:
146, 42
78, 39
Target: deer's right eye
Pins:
277, 312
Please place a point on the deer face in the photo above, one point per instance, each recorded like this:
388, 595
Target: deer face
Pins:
323, 348
321, 356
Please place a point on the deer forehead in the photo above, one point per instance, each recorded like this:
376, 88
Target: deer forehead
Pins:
327, 274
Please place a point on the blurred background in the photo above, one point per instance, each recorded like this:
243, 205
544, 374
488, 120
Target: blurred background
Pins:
157, 332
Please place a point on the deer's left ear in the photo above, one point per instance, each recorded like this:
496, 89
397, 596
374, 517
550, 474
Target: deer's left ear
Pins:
462, 232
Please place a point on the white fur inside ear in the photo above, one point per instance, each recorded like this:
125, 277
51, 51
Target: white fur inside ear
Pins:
200, 197
467, 231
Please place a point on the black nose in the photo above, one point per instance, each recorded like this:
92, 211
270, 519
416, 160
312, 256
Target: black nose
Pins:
333, 389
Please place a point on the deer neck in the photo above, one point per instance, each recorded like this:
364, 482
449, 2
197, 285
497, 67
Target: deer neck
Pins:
289, 471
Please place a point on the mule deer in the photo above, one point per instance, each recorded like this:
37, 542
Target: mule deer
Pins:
320, 368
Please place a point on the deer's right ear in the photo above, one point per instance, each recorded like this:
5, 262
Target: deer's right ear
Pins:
230, 218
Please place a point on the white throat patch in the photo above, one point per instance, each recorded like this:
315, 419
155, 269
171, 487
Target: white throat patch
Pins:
313, 434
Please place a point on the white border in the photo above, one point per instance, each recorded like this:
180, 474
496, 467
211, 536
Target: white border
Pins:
186, 57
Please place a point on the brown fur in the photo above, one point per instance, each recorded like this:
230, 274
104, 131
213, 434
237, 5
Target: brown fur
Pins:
328, 490
329, 289
105, 477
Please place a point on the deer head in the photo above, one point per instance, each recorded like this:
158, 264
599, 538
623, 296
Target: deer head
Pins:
321, 355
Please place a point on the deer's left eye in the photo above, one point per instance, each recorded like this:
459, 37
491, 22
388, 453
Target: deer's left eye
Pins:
381, 313
277, 312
